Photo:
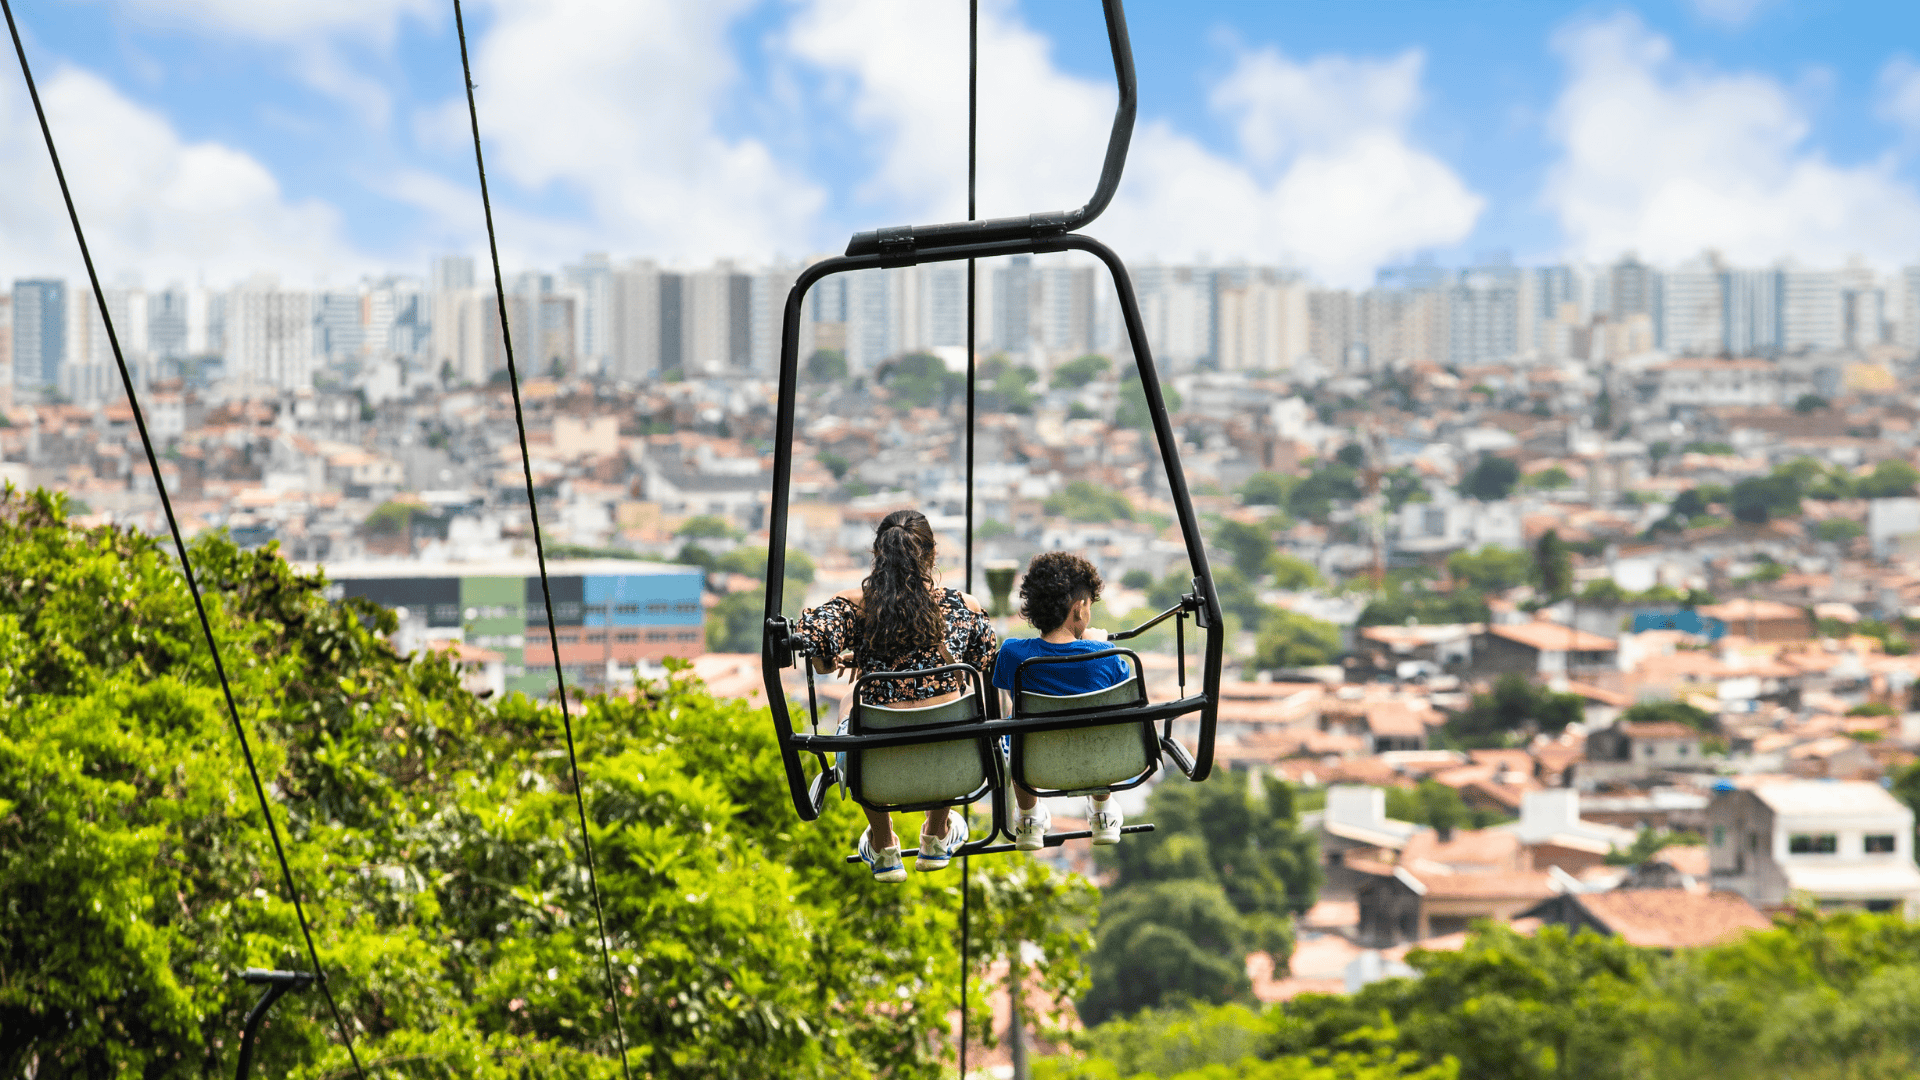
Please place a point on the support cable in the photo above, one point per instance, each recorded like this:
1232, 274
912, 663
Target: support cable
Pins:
179, 541
973, 159
539, 547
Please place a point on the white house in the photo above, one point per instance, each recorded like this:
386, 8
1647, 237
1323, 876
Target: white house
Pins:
1844, 844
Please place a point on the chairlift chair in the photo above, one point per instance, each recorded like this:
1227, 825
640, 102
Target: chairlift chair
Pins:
1087, 744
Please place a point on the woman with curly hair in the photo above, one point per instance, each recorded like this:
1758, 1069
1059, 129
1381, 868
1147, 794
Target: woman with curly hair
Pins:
900, 619
1057, 596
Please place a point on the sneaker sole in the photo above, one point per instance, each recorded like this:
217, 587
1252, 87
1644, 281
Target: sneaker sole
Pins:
892, 877
1029, 845
928, 866
1105, 841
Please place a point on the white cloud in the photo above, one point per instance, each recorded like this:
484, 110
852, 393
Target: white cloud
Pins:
1900, 94
1325, 176
1665, 160
611, 106
311, 34
152, 203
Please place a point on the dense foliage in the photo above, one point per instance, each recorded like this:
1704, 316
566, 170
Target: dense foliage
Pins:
1515, 706
1815, 998
435, 841
1220, 876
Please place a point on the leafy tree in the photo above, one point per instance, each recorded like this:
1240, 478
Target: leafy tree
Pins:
1492, 568
1807, 403
1132, 411
1604, 592
1553, 565
834, 463
1433, 803
1314, 497
706, 527
1007, 388
1084, 500
1136, 579
1890, 479
921, 380
1352, 455
1291, 572
436, 846
1548, 479
1761, 499
1648, 843
1267, 489
1839, 530
1217, 878
692, 554
1080, 371
1492, 479
827, 366
1515, 704
1291, 640
1426, 608
1249, 545
389, 519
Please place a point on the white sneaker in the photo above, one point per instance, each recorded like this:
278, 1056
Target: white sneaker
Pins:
1105, 822
937, 851
1030, 830
887, 864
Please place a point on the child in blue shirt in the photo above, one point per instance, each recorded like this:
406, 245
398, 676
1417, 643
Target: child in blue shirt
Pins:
1057, 596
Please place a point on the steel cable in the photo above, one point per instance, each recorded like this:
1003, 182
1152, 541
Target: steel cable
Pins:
539, 547
179, 541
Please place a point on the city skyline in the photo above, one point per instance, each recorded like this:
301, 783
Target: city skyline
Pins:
324, 143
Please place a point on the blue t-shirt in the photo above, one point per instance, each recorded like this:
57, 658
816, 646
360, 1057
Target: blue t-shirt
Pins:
1061, 679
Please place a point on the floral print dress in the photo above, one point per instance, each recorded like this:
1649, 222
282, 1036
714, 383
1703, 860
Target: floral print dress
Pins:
829, 631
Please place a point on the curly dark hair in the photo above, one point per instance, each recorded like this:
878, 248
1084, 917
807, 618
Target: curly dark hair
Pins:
1055, 580
899, 614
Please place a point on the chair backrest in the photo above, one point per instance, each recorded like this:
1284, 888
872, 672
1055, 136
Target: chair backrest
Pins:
1079, 761
922, 776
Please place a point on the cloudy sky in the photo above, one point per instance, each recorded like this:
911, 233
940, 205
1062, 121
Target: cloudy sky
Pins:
209, 139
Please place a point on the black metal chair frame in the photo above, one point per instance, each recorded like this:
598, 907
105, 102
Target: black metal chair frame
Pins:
910, 245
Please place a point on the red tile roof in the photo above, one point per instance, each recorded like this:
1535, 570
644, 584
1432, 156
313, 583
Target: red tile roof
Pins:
1672, 918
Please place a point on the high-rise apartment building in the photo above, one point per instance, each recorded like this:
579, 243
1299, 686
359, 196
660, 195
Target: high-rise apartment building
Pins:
1750, 312
1811, 315
39, 333
269, 335
1692, 316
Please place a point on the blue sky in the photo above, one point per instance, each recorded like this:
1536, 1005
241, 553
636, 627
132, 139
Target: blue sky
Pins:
214, 138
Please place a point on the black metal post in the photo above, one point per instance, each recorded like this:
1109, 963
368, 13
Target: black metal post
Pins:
277, 984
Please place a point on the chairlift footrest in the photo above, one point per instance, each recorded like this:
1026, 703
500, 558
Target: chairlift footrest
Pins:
1053, 840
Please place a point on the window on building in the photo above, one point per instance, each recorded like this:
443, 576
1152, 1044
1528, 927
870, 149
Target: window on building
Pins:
446, 613
628, 609
596, 609
596, 638
1882, 905
687, 607
656, 635
1719, 835
1647, 751
1880, 844
569, 639
690, 635
1813, 844
659, 607
567, 609
626, 639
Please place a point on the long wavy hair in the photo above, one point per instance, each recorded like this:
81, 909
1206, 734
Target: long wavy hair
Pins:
899, 614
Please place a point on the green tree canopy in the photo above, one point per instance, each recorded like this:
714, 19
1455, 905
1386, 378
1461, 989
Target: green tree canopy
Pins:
1084, 500
1267, 489
434, 839
706, 527
1760, 499
1292, 640
1218, 877
1514, 705
1132, 411
1491, 569
827, 366
1080, 371
1492, 479
1553, 565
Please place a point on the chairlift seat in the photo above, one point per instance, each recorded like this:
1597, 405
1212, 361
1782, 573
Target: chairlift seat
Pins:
924, 776
1086, 760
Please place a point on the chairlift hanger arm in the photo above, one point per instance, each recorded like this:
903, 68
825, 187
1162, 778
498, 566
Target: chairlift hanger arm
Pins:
1187, 603
905, 239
